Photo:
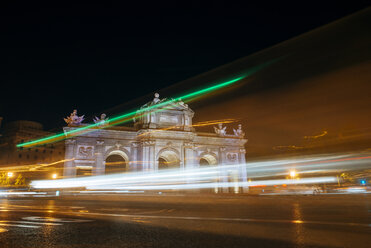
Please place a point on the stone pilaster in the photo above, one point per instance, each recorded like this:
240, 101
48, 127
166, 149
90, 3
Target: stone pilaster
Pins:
189, 156
69, 165
243, 169
223, 175
99, 168
133, 163
190, 162
149, 156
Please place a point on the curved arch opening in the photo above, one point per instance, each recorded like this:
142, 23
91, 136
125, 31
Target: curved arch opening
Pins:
168, 160
116, 163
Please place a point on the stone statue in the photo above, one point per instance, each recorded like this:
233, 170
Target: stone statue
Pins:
239, 132
156, 99
74, 119
181, 103
102, 120
220, 130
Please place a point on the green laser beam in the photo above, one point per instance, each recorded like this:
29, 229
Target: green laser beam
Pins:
118, 118
121, 118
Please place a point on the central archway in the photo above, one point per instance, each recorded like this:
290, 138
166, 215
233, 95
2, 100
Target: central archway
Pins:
168, 159
116, 162
206, 160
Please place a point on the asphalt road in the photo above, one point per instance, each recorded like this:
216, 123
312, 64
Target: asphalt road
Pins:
186, 221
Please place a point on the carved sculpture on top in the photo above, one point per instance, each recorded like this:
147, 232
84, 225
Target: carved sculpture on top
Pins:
74, 119
101, 121
181, 103
220, 130
157, 98
239, 132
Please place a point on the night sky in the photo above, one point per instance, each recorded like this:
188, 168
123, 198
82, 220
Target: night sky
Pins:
94, 57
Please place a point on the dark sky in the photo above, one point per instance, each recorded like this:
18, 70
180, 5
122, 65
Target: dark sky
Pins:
95, 56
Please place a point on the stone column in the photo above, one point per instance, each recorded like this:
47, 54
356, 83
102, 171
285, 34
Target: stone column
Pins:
151, 156
243, 169
144, 156
223, 175
148, 156
140, 156
189, 162
69, 165
99, 164
189, 156
133, 163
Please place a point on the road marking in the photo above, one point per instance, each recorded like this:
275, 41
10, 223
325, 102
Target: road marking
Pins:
229, 219
37, 222
26, 226
51, 219
29, 222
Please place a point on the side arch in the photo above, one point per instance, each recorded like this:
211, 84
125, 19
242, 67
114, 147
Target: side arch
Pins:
207, 158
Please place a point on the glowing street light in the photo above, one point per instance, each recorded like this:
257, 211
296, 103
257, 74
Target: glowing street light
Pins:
54, 176
10, 174
293, 173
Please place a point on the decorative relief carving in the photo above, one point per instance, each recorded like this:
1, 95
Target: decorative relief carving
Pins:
242, 150
85, 151
232, 157
222, 149
118, 145
100, 142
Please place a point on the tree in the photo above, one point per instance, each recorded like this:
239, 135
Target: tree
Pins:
20, 180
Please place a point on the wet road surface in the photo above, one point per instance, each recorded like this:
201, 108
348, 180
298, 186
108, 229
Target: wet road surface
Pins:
186, 221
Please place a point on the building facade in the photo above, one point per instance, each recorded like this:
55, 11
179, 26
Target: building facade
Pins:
21, 131
162, 137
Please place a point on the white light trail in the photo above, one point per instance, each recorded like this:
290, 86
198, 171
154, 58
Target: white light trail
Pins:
221, 176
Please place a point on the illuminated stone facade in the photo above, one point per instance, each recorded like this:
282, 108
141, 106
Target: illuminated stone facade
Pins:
162, 137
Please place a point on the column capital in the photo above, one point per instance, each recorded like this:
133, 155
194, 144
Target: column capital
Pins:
223, 149
135, 144
70, 141
189, 145
149, 142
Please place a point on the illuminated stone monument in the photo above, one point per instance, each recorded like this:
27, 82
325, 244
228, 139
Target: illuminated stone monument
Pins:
162, 137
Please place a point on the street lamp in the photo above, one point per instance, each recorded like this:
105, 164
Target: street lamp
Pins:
293, 173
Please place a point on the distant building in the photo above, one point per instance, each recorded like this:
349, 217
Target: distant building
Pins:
21, 131
1, 118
